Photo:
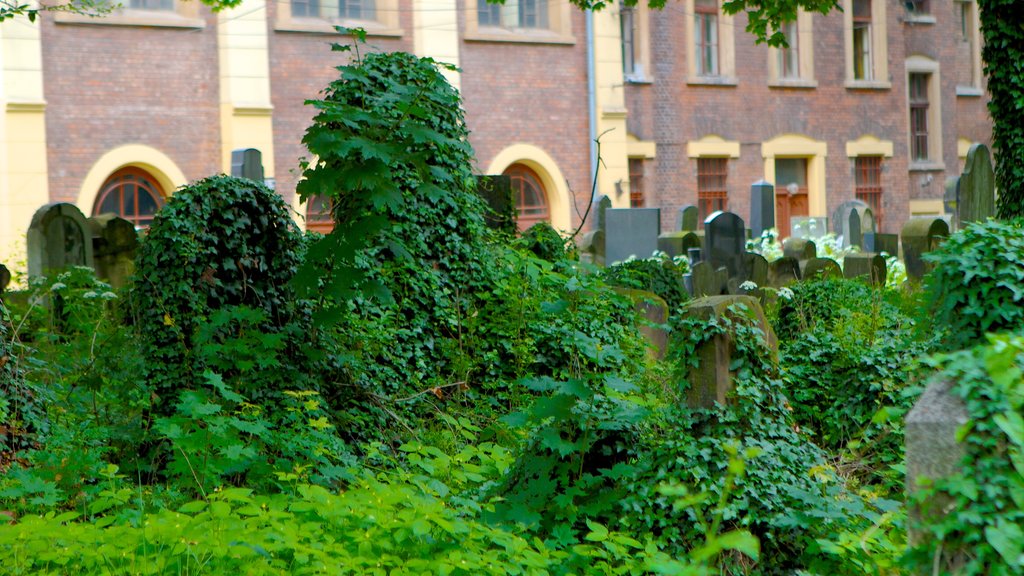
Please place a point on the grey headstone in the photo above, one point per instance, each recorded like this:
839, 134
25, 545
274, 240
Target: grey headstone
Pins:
688, 218
977, 198
58, 237
951, 198
842, 222
808, 227
879, 243
677, 243
762, 207
920, 236
594, 243
247, 163
757, 268
783, 272
115, 242
855, 237
725, 242
864, 265
631, 232
821, 269
496, 190
799, 248
705, 281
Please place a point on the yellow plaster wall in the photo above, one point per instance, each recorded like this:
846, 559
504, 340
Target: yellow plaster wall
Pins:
245, 110
798, 146
23, 172
712, 146
436, 34
551, 177
613, 174
869, 145
927, 208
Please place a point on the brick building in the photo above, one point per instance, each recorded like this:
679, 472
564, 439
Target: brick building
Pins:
878, 101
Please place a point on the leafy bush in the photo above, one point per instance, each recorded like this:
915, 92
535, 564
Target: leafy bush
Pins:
980, 523
544, 242
218, 242
977, 285
660, 275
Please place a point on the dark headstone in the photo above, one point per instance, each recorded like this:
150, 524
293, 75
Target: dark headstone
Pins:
920, 236
799, 248
864, 265
951, 198
757, 268
725, 242
688, 219
977, 198
705, 281
821, 269
114, 242
879, 243
5, 278
762, 207
496, 190
631, 232
783, 272
58, 237
678, 243
247, 163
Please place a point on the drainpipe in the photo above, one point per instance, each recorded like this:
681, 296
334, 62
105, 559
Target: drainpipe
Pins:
592, 96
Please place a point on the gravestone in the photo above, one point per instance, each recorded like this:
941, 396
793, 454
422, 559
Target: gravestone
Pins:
976, 200
703, 281
920, 236
5, 278
851, 228
114, 242
821, 269
725, 242
247, 163
631, 232
808, 227
762, 207
932, 451
951, 197
783, 272
711, 381
688, 218
878, 243
863, 265
653, 312
678, 243
757, 268
496, 190
799, 248
594, 242
58, 237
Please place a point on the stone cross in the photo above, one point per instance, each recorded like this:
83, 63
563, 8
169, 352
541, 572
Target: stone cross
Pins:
977, 191
58, 237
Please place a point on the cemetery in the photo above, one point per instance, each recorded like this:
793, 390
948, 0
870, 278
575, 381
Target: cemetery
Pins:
425, 391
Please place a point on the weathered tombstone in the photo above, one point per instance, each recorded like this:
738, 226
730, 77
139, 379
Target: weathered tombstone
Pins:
496, 190
756, 267
114, 242
846, 226
783, 272
864, 265
799, 248
705, 281
688, 218
594, 242
878, 243
920, 236
5, 278
762, 207
822, 269
977, 192
933, 452
951, 198
712, 381
808, 227
678, 243
58, 237
725, 242
247, 163
631, 232
653, 312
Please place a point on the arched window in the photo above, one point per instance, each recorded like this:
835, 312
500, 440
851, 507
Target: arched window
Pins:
529, 195
132, 194
318, 214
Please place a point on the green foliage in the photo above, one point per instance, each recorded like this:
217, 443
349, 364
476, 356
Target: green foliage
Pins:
18, 412
544, 242
977, 285
983, 507
218, 242
1002, 51
659, 274
768, 245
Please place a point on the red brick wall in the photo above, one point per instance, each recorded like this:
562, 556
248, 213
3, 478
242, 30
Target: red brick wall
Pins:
107, 86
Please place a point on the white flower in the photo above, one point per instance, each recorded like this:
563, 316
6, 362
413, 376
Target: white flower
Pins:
90, 295
785, 293
108, 296
748, 285
57, 286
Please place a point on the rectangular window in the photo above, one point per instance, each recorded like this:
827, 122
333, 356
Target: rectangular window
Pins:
916, 7
514, 14
166, 5
627, 21
919, 117
305, 8
789, 58
636, 183
712, 194
706, 36
488, 14
868, 184
357, 9
862, 69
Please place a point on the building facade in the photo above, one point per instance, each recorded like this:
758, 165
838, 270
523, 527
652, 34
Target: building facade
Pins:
879, 101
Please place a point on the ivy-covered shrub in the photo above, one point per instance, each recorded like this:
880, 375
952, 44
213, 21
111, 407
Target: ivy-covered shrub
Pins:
544, 242
219, 242
15, 396
977, 285
660, 275
981, 521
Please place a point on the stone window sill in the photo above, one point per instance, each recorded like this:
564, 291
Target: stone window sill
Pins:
635, 79
919, 19
969, 92
325, 26
924, 166
518, 35
799, 83
868, 85
712, 81
155, 18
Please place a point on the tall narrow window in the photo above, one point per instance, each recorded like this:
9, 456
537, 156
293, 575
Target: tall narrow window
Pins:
862, 68
528, 193
918, 116
627, 20
706, 36
487, 14
164, 5
357, 9
514, 14
305, 8
968, 51
868, 184
132, 194
789, 58
636, 183
712, 193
